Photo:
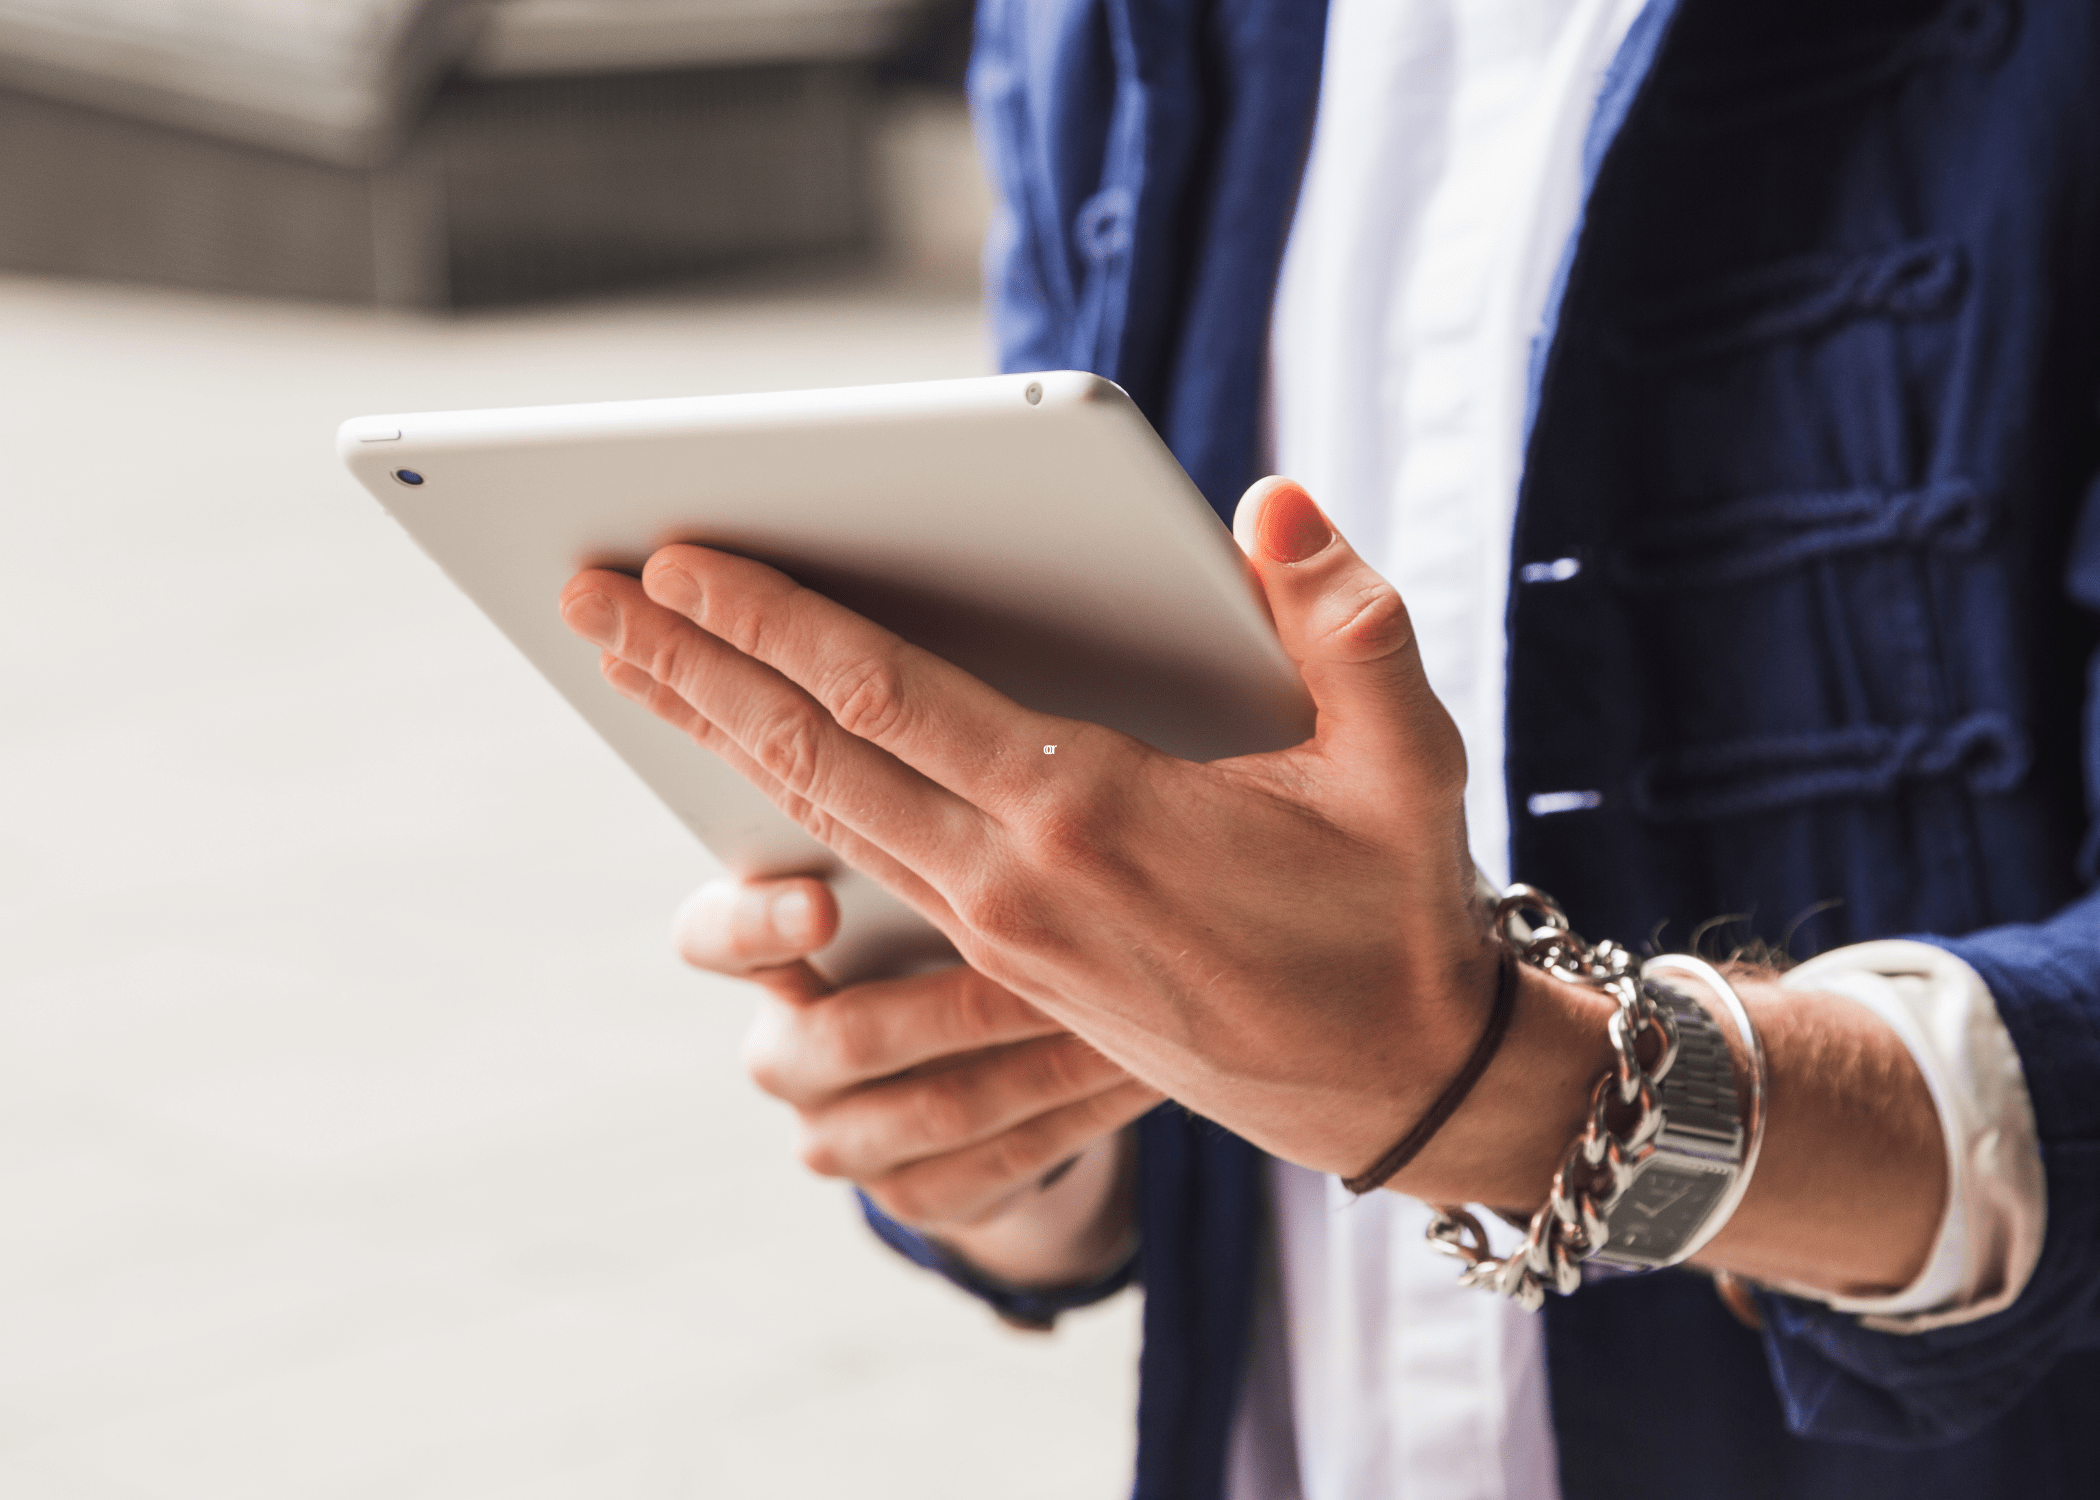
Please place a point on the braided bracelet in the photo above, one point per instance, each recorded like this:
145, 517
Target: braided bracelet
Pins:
1388, 1166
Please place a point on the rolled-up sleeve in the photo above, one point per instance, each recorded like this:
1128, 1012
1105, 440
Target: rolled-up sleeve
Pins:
1997, 1198
1839, 1377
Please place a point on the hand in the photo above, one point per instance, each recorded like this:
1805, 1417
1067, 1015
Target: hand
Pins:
1285, 942
954, 1104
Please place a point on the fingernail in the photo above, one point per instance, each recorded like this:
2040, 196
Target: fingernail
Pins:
1292, 527
794, 916
593, 617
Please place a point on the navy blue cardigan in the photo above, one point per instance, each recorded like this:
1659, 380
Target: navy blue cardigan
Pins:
1816, 413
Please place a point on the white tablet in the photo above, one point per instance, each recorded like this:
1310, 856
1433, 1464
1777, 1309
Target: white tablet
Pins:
1032, 529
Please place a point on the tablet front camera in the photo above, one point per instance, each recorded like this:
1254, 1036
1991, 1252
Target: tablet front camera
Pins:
408, 476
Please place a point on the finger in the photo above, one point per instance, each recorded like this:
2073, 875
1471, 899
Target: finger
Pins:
819, 772
797, 982
968, 737
634, 683
978, 1182
810, 1054
737, 926
1344, 626
876, 1129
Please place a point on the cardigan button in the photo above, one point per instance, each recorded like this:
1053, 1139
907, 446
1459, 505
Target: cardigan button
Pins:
1547, 804
1102, 226
1559, 570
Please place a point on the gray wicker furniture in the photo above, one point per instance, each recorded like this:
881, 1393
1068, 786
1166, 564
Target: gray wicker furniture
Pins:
432, 153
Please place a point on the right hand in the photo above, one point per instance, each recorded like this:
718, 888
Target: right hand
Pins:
957, 1106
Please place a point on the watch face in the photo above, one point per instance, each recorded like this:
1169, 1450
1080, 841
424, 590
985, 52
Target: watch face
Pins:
1664, 1207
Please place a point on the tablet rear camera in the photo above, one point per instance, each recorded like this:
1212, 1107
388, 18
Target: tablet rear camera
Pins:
408, 476
1034, 393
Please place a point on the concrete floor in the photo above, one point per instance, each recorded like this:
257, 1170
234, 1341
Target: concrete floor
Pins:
359, 1134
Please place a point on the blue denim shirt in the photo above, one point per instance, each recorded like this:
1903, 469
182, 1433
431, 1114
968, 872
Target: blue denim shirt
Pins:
1816, 409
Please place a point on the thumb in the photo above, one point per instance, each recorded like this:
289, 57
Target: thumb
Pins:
1344, 626
760, 929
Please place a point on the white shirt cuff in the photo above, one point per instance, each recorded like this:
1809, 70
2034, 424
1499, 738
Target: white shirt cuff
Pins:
1997, 1205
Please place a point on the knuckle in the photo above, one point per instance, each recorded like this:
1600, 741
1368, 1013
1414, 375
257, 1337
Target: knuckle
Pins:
1075, 832
867, 698
766, 1058
1066, 1066
941, 1111
740, 621
821, 825
1011, 1158
807, 815
665, 702
815, 820
846, 1041
785, 748
765, 1070
975, 1008
999, 915
1068, 832
1370, 621
818, 1152
669, 659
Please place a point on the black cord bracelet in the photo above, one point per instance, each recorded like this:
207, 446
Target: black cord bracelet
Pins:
1388, 1166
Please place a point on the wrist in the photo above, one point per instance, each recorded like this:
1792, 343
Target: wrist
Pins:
1074, 1226
1852, 1183
1503, 1144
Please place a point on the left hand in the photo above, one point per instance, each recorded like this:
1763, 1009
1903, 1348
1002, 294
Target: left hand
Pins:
958, 1107
1286, 943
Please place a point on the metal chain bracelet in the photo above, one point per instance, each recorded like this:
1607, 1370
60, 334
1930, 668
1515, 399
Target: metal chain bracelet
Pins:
1691, 1180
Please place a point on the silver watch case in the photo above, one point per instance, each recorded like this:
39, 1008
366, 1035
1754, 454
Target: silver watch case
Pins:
1688, 1171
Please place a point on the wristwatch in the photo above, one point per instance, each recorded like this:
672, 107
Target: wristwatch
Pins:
1686, 1178
1668, 1142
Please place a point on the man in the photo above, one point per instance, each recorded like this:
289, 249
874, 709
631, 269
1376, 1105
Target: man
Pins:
1802, 468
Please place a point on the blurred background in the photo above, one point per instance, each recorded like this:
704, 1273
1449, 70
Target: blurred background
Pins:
359, 1134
